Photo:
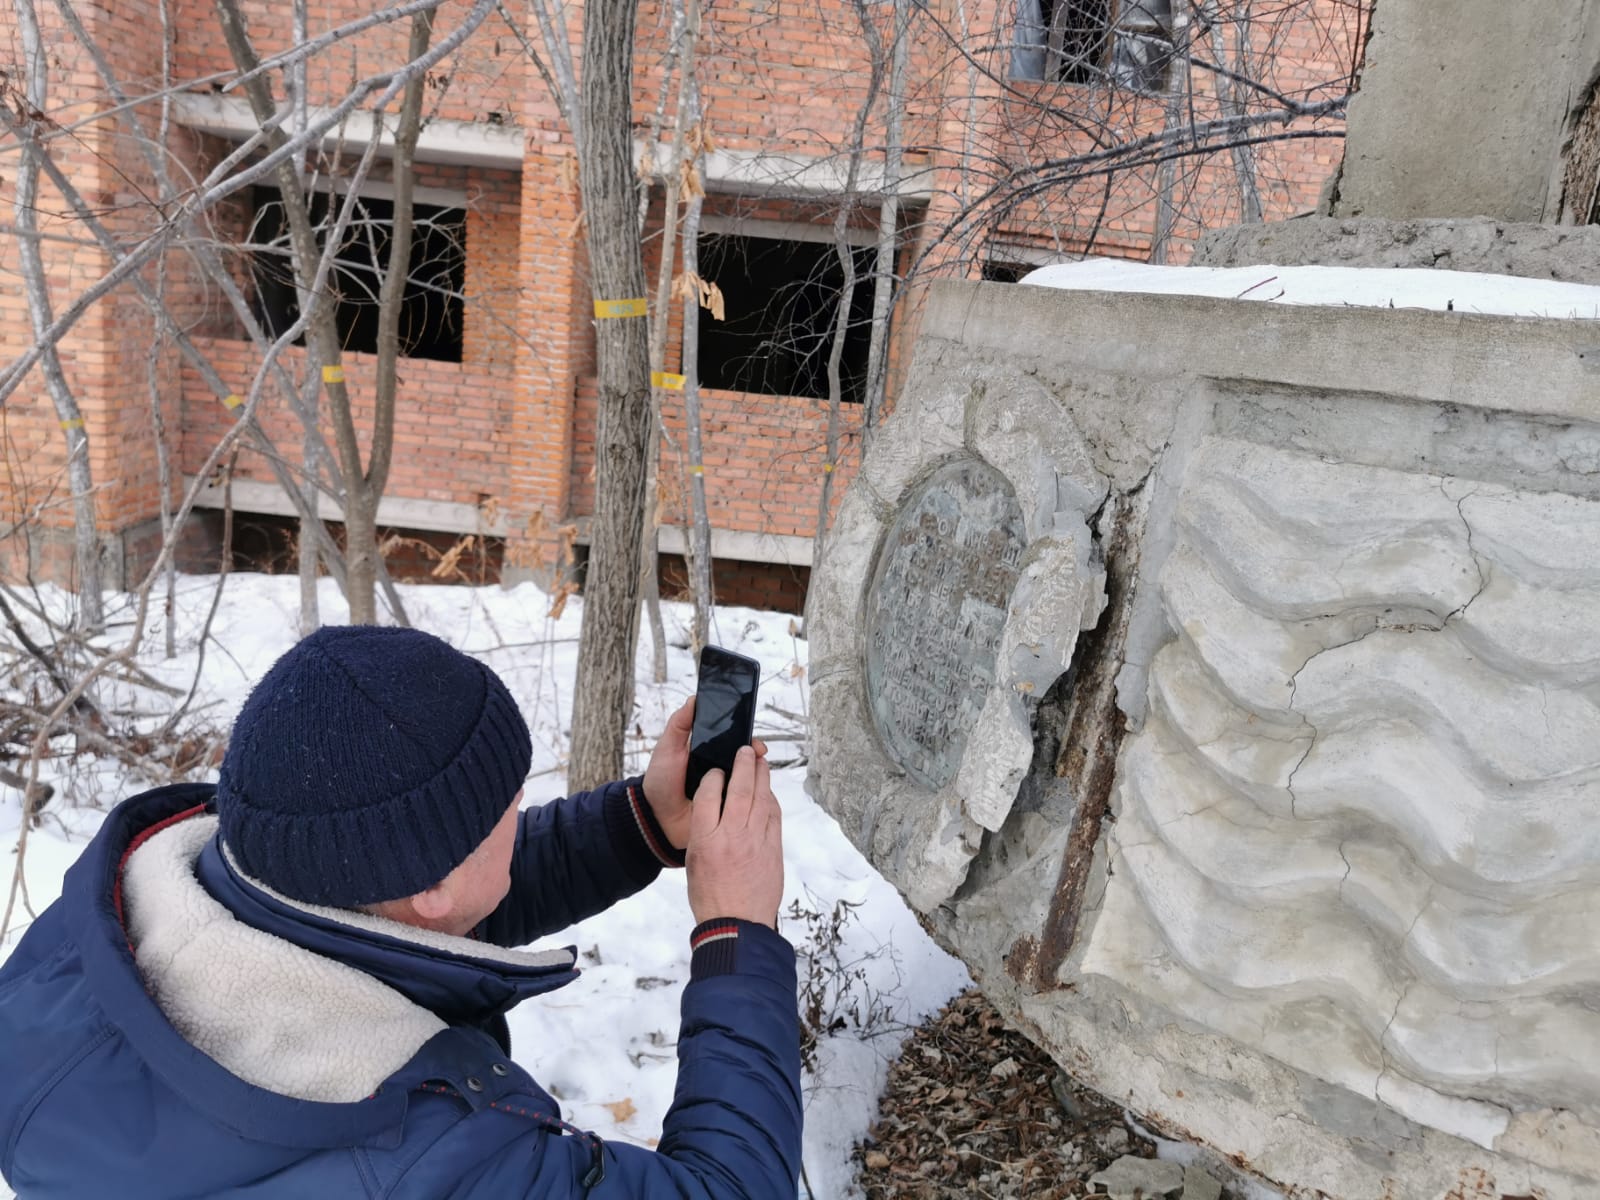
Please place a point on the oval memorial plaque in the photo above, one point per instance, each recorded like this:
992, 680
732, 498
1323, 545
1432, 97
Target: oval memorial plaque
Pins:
935, 612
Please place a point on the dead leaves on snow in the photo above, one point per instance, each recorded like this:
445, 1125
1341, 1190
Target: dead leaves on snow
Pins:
973, 1109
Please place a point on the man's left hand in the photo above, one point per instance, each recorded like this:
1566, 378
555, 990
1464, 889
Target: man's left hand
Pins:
669, 768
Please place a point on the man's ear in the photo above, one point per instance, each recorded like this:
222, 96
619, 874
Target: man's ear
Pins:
436, 903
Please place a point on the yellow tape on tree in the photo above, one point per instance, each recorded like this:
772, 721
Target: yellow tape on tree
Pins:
667, 380
232, 401
72, 423
607, 309
697, 469
332, 374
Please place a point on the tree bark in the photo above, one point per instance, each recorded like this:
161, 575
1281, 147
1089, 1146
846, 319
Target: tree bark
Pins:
306, 544
1244, 162
883, 285
603, 699
35, 282
699, 541
362, 484
685, 26
1176, 104
847, 264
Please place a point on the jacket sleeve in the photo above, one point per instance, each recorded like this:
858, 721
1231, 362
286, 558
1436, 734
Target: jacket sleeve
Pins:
577, 857
734, 1129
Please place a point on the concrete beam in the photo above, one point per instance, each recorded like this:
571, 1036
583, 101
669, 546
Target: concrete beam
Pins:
473, 143
445, 516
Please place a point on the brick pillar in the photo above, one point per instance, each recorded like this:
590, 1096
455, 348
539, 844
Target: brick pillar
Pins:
555, 348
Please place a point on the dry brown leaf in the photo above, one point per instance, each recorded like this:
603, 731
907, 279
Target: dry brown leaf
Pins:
689, 184
621, 1110
446, 566
877, 1160
558, 603
566, 539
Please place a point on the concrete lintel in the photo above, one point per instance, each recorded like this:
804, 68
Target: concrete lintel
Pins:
738, 545
764, 173
473, 143
446, 516
397, 512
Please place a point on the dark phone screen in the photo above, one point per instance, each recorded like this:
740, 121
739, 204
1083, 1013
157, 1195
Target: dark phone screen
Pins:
724, 712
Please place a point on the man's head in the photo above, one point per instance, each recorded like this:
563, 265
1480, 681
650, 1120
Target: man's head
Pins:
367, 766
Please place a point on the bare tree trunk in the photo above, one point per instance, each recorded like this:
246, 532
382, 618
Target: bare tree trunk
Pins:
553, 25
310, 558
1178, 81
361, 540
211, 265
699, 540
847, 263
80, 479
603, 700
157, 350
1244, 163
362, 484
888, 231
675, 171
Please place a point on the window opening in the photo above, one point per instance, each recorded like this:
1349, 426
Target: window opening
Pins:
430, 308
1004, 272
780, 298
1087, 41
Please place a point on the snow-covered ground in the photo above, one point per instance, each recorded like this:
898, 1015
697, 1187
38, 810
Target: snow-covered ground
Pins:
1362, 287
605, 1045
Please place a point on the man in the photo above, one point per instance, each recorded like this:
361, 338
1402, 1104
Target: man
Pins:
290, 984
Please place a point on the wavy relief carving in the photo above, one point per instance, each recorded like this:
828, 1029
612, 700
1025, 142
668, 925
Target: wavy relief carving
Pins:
1361, 827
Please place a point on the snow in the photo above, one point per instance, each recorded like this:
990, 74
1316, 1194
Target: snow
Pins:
604, 1045
1362, 287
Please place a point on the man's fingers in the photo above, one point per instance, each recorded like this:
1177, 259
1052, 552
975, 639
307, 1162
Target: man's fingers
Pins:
707, 808
760, 748
681, 722
741, 789
763, 780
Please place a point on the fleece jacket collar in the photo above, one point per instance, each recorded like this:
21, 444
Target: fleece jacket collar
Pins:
462, 982
90, 901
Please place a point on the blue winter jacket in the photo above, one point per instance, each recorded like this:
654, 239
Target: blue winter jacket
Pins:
101, 1096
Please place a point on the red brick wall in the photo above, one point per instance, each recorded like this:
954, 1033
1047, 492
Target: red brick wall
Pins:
763, 459
513, 421
451, 421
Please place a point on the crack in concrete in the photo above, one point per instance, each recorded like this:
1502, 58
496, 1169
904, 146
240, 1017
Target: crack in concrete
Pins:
1383, 1038
1472, 550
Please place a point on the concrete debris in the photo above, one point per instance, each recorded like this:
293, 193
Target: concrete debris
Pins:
1197, 1185
1139, 1179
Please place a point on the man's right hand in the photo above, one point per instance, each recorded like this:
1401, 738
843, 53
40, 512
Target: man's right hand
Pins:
735, 859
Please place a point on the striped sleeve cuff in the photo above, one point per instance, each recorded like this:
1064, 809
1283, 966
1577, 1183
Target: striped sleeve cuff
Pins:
725, 946
639, 840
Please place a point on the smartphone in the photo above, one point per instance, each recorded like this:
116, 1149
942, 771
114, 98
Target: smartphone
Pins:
724, 713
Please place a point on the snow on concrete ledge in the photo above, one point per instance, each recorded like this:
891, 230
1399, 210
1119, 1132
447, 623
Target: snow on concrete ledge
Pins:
1360, 287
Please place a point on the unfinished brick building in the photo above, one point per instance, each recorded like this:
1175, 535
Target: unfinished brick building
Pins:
1021, 125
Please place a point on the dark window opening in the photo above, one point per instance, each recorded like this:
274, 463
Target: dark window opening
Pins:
1089, 41
430, 307
780, 300
1004, 272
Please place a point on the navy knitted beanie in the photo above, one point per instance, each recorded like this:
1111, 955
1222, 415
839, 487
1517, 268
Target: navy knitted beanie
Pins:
367, 764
